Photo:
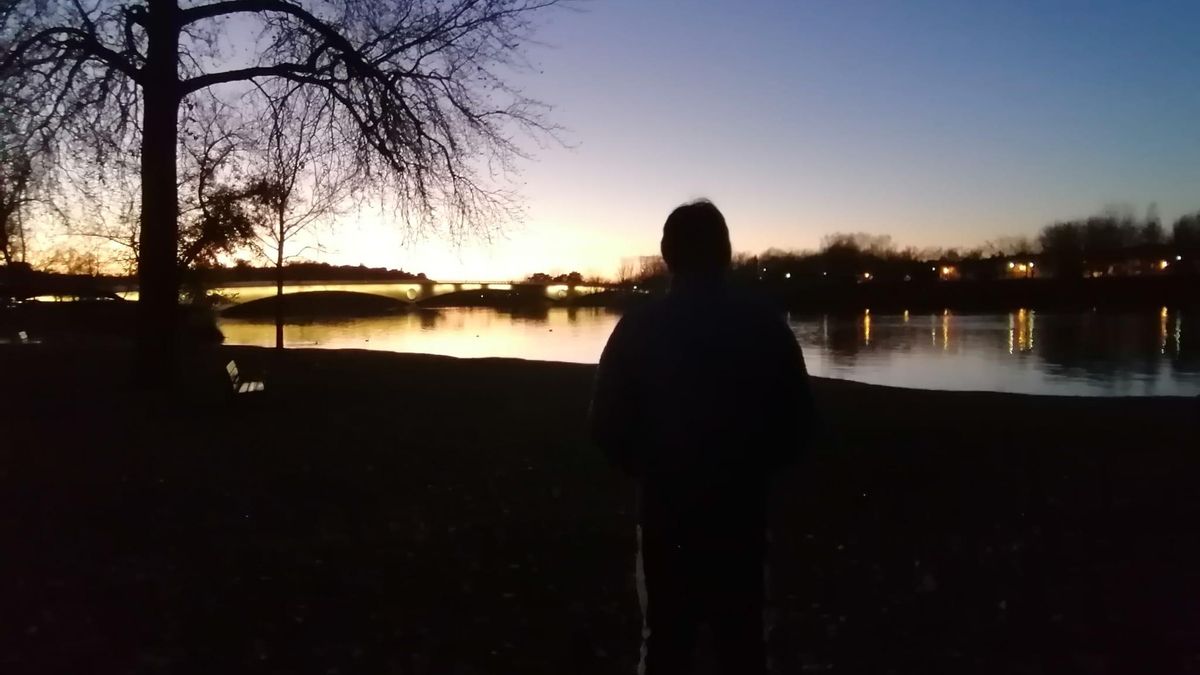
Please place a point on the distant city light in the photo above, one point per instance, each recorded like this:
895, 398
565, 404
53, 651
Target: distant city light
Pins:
1178, 257
1031, 265
1162, 264
787, 275
1011, 265
945, 270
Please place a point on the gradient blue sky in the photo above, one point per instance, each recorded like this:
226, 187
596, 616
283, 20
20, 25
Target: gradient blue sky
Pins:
939, 122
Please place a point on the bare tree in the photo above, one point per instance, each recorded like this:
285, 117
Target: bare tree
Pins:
18, 173
66, 259
15, 174
419, 81
302, 179
627, 271
1010, 246
216, 203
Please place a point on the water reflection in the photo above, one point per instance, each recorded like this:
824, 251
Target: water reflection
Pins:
1162, 331
1020, 331
1020, 351
540, 333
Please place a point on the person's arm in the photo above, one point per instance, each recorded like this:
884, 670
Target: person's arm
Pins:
793, 414
613, 419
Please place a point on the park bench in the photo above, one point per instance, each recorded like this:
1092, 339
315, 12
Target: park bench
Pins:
240, 384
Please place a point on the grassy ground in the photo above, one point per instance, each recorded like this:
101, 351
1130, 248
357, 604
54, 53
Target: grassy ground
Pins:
381, 513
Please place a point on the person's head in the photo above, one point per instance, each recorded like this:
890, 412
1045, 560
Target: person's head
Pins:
695, 241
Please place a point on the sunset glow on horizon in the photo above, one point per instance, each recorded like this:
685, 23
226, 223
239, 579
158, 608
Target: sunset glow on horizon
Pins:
938, 123
935, 122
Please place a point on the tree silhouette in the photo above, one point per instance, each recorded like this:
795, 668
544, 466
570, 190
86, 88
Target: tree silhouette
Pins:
301, 180
1185, 235
217, 217
418, 81
17, 176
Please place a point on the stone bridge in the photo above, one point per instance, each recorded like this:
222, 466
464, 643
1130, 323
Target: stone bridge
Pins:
415, 290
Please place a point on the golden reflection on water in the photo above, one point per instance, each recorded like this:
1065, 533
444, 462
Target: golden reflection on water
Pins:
558, 334
1020, 331
1078, 353
1162, 331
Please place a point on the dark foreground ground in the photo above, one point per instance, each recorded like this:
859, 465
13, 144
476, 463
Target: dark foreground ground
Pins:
376, 513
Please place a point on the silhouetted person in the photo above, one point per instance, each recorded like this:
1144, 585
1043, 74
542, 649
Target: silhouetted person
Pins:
701, 396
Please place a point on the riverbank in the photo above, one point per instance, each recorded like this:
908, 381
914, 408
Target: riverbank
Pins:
377, 512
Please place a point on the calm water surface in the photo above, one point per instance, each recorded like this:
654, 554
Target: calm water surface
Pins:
1089, 354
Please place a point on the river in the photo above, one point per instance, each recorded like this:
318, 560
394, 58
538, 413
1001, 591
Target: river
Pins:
1023, 351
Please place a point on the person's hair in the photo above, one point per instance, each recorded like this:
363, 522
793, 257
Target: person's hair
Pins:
695, 240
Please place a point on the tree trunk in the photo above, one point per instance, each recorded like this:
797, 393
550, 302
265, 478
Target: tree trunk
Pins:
158, 272
279, 287
21, 236
8, 220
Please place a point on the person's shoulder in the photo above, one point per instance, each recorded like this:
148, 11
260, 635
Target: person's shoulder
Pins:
754, 305
637, 317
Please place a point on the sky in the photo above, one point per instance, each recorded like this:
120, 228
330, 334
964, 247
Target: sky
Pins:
938, 122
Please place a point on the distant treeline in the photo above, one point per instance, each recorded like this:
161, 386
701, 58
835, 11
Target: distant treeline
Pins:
21, 281
303, 271
1113, 244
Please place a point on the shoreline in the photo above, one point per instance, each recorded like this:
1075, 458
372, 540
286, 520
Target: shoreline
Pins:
375, 511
